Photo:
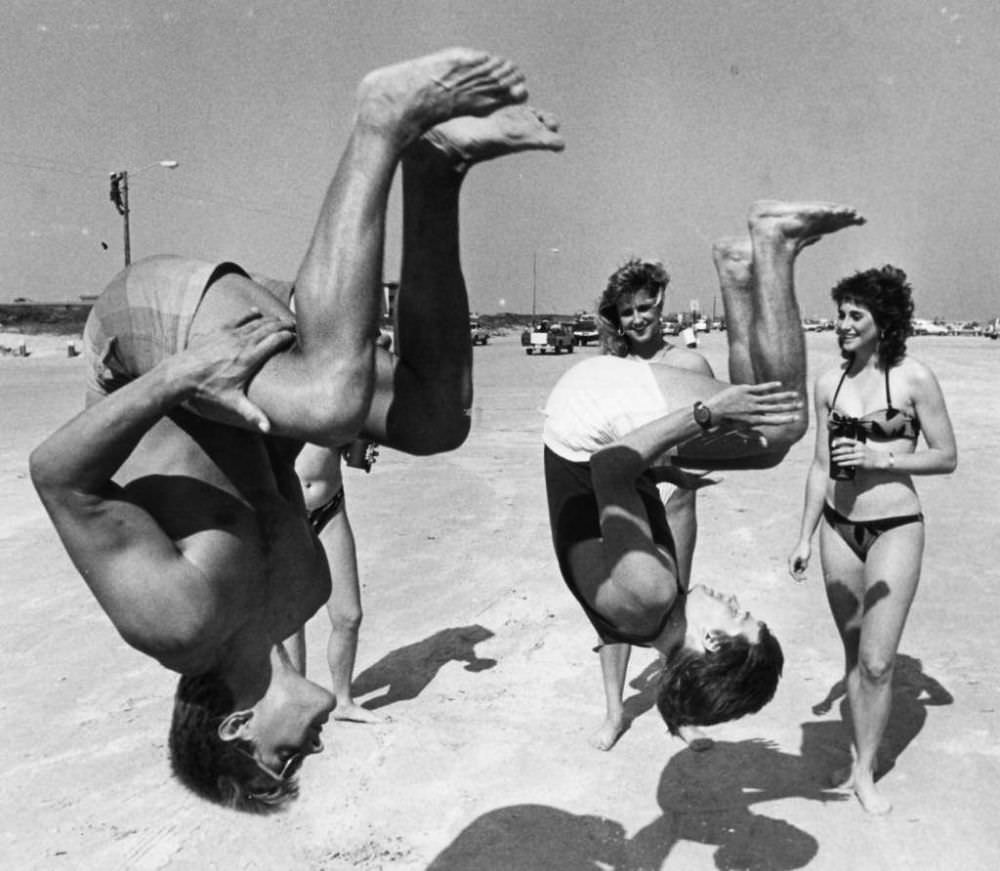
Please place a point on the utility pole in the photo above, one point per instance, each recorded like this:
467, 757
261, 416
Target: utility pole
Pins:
119, 196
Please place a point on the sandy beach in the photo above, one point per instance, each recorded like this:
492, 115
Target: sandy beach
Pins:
476, 651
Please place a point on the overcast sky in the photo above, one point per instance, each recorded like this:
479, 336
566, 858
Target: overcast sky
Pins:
678, 114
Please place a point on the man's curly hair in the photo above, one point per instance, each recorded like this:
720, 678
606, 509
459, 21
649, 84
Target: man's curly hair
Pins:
221, 771
628, 279
886, 293
701, 688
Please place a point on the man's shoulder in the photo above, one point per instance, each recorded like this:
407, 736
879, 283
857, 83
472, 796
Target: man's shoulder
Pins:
684, 358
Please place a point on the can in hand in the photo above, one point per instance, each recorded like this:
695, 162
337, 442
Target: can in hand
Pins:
361, 454
843, 428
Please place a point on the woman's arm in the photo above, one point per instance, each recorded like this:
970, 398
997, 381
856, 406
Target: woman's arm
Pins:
940, 457
816, 484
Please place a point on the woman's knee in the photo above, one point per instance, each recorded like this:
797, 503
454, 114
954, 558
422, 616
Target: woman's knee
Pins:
346, 619
876, 667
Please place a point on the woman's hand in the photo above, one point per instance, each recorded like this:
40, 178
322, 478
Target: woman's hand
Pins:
845, 451
756, 404
219, 365
798, 561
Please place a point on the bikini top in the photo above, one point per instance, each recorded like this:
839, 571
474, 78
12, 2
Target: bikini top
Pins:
881, 425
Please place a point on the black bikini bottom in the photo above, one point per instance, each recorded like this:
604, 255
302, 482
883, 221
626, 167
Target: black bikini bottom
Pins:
320, 517
860, 535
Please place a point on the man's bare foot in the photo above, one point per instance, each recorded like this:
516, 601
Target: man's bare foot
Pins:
800, 223
352, 712
696, 740
611, 730
467, 140
406, 99
733, 258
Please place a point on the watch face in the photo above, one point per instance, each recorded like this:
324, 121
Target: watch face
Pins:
702, 414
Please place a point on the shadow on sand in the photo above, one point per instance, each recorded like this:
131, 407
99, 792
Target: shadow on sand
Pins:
704, 798
405, 672
913, 692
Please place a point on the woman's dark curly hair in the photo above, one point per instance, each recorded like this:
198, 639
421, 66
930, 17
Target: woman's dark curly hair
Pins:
888, 296
627, 280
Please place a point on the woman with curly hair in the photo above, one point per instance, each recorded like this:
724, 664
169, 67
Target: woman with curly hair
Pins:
876, 404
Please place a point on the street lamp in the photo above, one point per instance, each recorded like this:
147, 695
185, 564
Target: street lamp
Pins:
534, 277
119, 196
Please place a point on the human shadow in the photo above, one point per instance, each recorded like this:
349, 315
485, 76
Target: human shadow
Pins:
913, 692
704, 798
406, 671
644, 684
534, 837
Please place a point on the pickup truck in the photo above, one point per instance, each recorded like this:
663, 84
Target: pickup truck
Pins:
584, 331
546, 337
480, 335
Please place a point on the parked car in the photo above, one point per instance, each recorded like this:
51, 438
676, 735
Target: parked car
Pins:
929, 328
480, 335
584, 330
992, 329
545, 337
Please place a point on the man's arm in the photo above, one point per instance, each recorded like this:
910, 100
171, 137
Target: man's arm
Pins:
152, 594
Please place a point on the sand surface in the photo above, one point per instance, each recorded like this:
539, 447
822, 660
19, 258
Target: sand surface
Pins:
474, 648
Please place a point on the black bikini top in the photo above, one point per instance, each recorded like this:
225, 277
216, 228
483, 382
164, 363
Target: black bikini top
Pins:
882, 425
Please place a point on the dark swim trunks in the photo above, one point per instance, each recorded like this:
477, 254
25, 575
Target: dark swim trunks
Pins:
145, 314
573, 516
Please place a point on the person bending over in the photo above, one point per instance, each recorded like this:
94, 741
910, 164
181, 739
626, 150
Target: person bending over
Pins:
630, 318
614, 425
175, 492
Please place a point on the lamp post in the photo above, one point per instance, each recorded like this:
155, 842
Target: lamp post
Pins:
119, 196
534, 278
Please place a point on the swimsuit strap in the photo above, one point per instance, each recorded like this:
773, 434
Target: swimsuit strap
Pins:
836, 393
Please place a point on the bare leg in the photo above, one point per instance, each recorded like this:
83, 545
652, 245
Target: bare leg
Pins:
733, 259
295, 647
778, 232
771, 327
680, 507
614, 666
424, 389
892, 573
319, 471
345, 613
321, 391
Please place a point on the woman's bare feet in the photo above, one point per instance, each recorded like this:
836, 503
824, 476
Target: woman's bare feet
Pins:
611, 730
406, 99
352, 712
800, 223
467, 140
863, 784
